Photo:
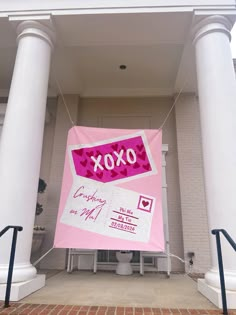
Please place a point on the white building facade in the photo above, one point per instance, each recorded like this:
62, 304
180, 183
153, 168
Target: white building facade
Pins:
65, 56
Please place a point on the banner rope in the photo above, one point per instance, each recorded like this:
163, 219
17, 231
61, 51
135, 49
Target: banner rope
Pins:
188, 273
162, 125
44, 255
64, 101
174, 103
191, 267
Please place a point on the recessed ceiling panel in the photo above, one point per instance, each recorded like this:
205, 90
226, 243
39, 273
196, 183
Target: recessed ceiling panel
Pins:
153, 66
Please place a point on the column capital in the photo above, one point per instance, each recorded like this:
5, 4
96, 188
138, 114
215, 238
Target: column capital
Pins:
211, 24
35, 28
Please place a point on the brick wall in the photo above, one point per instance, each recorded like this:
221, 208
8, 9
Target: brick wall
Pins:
194, 214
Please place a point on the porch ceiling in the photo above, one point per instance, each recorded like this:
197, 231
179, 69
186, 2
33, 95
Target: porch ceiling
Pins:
90, 48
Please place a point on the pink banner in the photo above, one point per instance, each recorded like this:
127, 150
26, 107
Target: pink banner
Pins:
111, 190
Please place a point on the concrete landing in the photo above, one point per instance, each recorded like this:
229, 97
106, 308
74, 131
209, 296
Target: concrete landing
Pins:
109, 289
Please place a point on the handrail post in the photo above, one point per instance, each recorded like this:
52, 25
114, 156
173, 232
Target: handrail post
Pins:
10, 270
221, 271
16, 229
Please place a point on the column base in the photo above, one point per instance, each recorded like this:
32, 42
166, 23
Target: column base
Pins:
214, 294
20, 290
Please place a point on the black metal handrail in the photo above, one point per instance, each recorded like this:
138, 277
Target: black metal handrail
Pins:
12, 258
217, 232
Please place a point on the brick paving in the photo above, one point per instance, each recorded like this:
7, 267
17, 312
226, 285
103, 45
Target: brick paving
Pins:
45, 309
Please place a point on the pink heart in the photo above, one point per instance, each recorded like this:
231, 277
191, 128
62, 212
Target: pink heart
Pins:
140, 147
142, 156
145, 203
89, 174
98, 153
80, 152
89, 154
113, 174
99, 175
84, 163
146, 167
124, 172
115, 147
123, 148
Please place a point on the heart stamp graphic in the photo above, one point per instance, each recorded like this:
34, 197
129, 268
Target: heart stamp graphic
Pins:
145, 203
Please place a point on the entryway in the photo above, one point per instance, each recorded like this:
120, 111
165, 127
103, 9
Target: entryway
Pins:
108, 289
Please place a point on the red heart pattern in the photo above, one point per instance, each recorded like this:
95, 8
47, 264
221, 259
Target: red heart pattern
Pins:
109, 170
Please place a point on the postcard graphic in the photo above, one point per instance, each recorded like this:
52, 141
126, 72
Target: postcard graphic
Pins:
105, 209
111, 190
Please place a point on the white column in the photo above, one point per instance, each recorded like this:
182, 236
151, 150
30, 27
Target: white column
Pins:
21, 144
217, 99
